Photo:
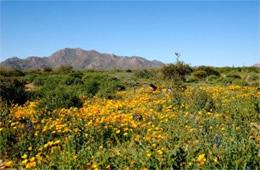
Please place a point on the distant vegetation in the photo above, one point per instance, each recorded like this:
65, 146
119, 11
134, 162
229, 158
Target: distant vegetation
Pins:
174, 117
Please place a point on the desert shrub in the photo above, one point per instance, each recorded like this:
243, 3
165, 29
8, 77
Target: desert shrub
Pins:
251, 69
200, 74
31, 77
4, 72
76, 74
91, 87
11, 73
94, 76
253, 77
90, 70
64, 69
60, 98
17, 73
51, 83
33, 71
240, 82
102, 85
201, 100
225, 69
39, 80
69, 80
255, 84
209, 70
109, 88
224, 80
47, 69
231, 75
212, 77
176, 71
192, 79
144, 74
12, 91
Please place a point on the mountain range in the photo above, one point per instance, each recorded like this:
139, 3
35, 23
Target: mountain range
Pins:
80, 59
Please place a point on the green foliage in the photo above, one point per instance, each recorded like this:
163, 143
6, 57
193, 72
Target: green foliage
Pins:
212, 77
12, 91
200, 74
192, 79
76, 74
60, 98
39, 80
51, 83
240, 82
108, 89
231, 75
253, 77
145, 74
201, 101
224, 80
69, 80
209, 70
176, 71
91, 88
47, 69
64, 69
11, 73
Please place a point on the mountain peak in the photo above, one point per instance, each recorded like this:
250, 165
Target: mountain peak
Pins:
81, 59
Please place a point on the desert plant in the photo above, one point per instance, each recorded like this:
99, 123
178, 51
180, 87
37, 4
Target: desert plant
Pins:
60, 98
39, 80
231, 75
144, 74
240, 82
12, 91
64, 69
176, 72
200, 74
47, 69
209, 70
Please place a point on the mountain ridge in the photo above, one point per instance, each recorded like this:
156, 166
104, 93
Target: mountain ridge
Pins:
80, 59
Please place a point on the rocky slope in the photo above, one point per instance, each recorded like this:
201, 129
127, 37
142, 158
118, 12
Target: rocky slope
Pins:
80, 59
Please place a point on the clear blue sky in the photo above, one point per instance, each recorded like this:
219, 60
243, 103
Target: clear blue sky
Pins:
217, 33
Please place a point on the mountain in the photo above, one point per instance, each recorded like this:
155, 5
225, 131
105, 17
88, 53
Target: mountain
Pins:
80, 59
256, 65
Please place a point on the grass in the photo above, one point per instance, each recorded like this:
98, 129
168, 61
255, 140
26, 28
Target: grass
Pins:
200, 126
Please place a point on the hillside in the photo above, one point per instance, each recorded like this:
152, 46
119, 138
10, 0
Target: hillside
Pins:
80, 59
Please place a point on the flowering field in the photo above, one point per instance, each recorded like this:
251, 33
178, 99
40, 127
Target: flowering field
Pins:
211, 127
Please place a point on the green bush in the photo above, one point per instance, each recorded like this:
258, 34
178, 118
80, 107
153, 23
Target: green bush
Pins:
176, 71
231, 75
51, 83
47, 69
145, 74
12, 91
108, 89
39, 80
76, 74
224, 80
212, 77
200, 74
11, 73
201, 101
91, 88
240, 82
60, 98
64, 69
69, 80
209, 70
192, 79
253, 77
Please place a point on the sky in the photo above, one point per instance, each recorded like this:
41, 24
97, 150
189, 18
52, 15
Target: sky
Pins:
215, 33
